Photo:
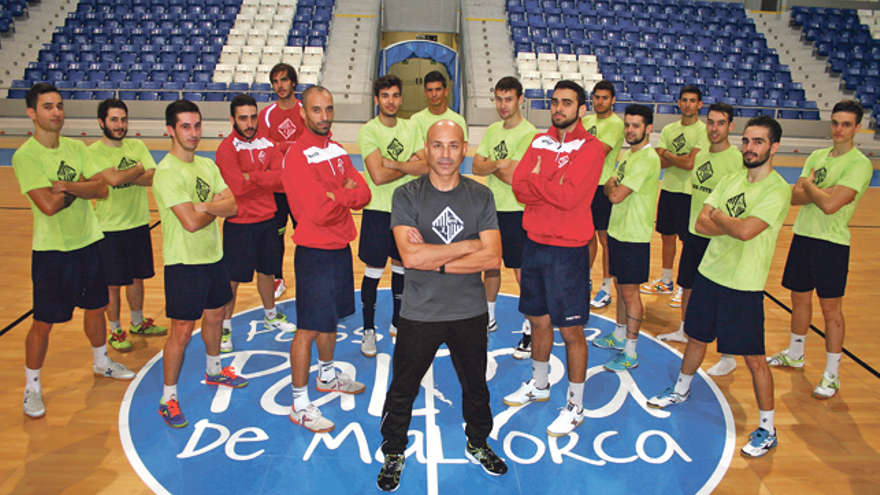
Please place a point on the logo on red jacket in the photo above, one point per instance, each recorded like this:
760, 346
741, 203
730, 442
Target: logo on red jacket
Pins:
341, 166
562, 161
262, 157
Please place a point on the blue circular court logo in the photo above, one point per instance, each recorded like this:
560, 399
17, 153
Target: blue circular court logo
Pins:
242, 441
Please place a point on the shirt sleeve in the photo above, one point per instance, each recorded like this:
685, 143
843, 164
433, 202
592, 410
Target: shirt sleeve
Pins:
171, 188
483, 149
664, 139
90, 168
303, 186
367, 141
714, 199
523, 145
403, 211
355, 198
488, 218
29, 172
230, 170
857, 175
146, 157
636, 175
219, 184
772, 202
520, 185
702, 142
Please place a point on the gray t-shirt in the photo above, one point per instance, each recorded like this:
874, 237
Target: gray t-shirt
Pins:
443, 218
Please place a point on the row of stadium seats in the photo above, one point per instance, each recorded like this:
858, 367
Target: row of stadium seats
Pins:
130, 90
662, 21
683, 7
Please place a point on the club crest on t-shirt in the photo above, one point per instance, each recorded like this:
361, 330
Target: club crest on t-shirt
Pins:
621, 172
500, 151
447, 225
593, 131
66, 172
705, 172
202, 189
126, 163
287, 128
736, 205
679, 142
820, 176
394, 149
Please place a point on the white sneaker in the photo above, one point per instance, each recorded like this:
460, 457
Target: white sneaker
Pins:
493, 325
828, 386
724, 366
392, 330
279, 323
368, 343
226, 340
569, 419
114, 370
524, 348
311, 419
341, 383
528, 392
675, 300
280, 287
33, 404
676, 336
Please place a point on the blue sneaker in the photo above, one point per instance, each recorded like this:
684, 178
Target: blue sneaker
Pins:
668, 397
172, 414
622, 362
608, 342
760, 442
227, 378
601, 300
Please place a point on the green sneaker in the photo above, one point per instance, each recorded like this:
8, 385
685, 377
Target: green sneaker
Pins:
119, 340
279, 323
783, 360
828, 386
147, 328
226, 340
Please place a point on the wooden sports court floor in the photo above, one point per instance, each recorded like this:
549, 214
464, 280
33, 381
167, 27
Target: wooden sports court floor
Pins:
825, 446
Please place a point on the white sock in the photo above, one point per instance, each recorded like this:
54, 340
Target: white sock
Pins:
527, 327
115, 325
724, 366
681, 328
620, 332
606, 284
32, 380
541, 373
326, 370
99, 355
576, 394
491, 305
137, 317
796, 346
169, 392
227, 324
767, 421
666, 278
213, 365
629, 347
301, 398
832, 363
683, 384
271, 313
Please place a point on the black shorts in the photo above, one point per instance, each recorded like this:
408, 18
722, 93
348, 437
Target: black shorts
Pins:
555, 282
251, 246
282, 211
816, 264
691, 255
324, 287
601, 209
128, 255
734, 317
64, 280
513, 237
673, 213
629, 262
191, 289
377, 243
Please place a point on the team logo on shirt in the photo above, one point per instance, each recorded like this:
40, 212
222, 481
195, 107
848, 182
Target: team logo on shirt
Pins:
66, 172
500, 151
820, 176
126, 163
621, 172
202, 189
340, 165
679, 142
593, 131
447, 225
736, 205
287, 128
394, 149
705, 172
562, 161
262, 156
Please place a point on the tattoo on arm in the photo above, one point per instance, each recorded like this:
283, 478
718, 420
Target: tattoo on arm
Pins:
68, 199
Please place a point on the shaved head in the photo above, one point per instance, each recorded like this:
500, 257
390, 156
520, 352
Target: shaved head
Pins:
444, 127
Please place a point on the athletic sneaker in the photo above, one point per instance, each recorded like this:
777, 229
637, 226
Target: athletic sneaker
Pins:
528, 392
311, 419
171, 413
279, 323
569, 419
622, 362
280, 287
760, 442
392, 330
33, 404
148, 328
601, 300
492, 326
368, 342
227, 378
783, 360
828, 386
675, 301
389, 475
341, 383
114, 370
226, 340
524, 348
666, 398
486, 457
119, 340
609, 342
656, 287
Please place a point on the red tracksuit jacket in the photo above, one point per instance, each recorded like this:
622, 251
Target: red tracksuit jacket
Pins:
261, 159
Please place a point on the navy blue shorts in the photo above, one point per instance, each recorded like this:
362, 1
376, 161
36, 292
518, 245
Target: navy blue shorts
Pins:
555, 281
249, 247
734, 317
691, 255
673, 213
377, 243
191, 289
816, 264
64, 280
629, 262
128, 255
601, 208
282, 211
513, 237
324, 287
